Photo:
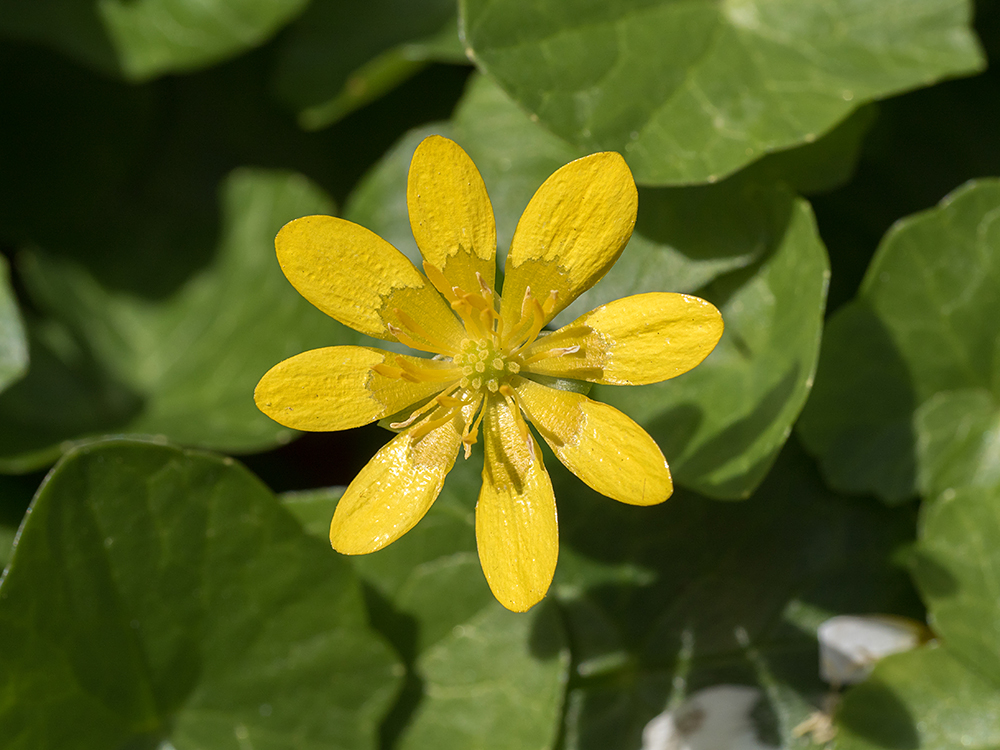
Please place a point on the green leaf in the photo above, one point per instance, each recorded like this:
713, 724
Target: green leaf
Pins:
748, 246
908, 376
160, 597
339, 56
690, 92
921, 699
946, 696
664, 601
13, 345
722, 424
957, 567
184, 366
142, 39
481, 677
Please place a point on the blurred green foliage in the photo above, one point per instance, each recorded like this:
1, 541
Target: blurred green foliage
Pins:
159, 596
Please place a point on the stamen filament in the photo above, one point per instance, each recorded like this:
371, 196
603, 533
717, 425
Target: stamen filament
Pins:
556, 351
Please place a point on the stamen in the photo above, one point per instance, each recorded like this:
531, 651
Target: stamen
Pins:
437, 278
556, 351
406, 340
442, 399
550, 304
440, 346
529, 306
470, 433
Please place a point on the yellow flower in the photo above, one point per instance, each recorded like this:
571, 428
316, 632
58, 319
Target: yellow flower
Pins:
486, 348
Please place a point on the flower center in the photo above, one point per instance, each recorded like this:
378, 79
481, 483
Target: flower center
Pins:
484, 364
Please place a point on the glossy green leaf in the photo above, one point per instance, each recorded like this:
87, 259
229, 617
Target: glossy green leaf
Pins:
142, 39
184, 366
905, 397
13, 345
690, 92
721, 425
339, 56
481, 677
921, 699
163, 598
664, 601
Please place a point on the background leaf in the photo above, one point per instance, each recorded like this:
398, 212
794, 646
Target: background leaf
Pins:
141, 39
925, 322
184, 366
690, 92
944, 695
340, 56
163, 595
13, 346
480, 676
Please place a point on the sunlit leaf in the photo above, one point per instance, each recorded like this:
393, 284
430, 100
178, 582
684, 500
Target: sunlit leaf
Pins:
693, 91
163, 598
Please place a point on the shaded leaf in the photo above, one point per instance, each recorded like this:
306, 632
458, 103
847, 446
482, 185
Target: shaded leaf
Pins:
141, 39
184, 366
339, 56
159, 596
13, 344
692, 91
925, 323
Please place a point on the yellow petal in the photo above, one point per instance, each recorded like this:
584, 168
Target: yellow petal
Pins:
450, 213
632, 341
394, 490
598, 443
356, 277
516, 528
335, 388
571, 233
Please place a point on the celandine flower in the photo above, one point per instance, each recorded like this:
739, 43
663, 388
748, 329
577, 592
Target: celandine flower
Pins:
486, 348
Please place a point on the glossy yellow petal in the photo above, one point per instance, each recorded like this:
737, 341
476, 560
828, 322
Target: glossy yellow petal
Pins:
324, 390
598, 443
394, 490
450, 213
571, 233
632, 341
516, 528
356, 277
